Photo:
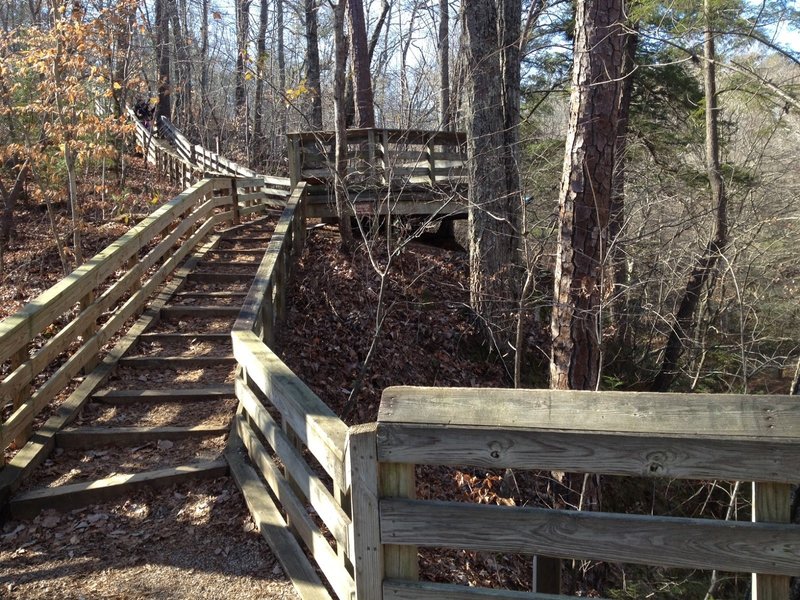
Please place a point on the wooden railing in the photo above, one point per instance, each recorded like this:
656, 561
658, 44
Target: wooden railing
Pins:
211, 162
279, 414
677, 436
61, 333
380, 157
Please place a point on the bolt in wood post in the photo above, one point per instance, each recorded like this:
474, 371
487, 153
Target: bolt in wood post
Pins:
398, 481
771, 504
366, 552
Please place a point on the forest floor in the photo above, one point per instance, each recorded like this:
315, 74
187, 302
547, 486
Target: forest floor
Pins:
197, 540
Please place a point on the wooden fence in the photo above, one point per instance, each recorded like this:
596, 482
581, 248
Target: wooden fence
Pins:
278, 414
60, 334
389, 171
677, 436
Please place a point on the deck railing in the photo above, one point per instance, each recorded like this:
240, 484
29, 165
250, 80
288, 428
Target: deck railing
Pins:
62, 332
676, 436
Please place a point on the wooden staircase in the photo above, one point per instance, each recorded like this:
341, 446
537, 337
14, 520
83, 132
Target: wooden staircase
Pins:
162, 399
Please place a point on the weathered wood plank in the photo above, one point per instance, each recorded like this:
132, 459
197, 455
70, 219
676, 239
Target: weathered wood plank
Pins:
208, 277
20, 418
94, 437
178, 311
22, 326
175, 362
726, 416
325, 557
399, 561
77, 495
278, 245
166, 395
397, 589
318, 427
772, 504
640, 539
303, 476
364, 549
640, 455
186, 336
271, 525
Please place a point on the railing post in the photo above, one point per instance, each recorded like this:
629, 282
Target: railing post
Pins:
235, 201
398, 481
295, 160
771, 504
429, 147
21, 356
366, 552
90, 330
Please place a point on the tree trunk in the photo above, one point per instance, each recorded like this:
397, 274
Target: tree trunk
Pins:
340, 118
204, 101
359, 52
707, 262
242, 27
183, 69
445, 117
617, 260
312, 66
494, 208
281, 66
585, 195
261, 63
164, 108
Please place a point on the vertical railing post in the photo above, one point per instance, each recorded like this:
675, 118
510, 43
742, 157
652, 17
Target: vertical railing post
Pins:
295, 159
20, 357
235, 201
771, 504
90, 330
365, 550
429, 147
398, 481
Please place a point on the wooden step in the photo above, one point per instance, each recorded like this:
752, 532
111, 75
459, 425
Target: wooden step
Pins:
245, 239
154, 396
207, 277
244, 251
95, 437
200, 337
77, 495
176, 362
176, 312
211, 295
228, 263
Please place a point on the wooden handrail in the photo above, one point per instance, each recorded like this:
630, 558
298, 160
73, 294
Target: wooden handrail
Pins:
685, 436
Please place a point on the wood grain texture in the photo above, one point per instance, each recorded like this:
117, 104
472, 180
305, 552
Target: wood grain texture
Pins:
76, 495
772, 503
726, 416
399, 559
661, 541
395, 589
316, 425
303, 476
271, 525
325, 557
609, 453
365, 550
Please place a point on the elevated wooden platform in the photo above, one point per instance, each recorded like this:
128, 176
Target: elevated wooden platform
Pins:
389, 172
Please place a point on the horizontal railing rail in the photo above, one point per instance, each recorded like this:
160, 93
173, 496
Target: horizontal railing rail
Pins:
380, 157
62, 332
743, 438
279, 415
